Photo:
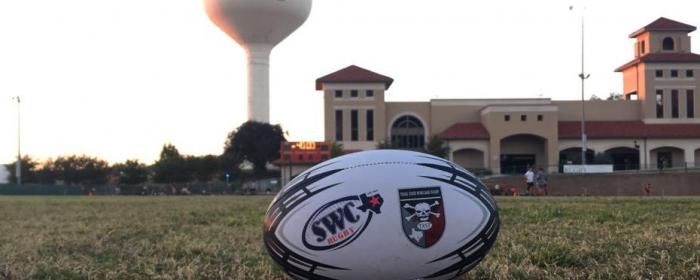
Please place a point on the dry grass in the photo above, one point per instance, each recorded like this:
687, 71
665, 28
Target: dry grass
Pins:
219, 238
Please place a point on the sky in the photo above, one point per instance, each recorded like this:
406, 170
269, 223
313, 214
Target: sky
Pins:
118, 79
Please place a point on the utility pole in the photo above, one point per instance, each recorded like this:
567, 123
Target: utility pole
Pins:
583, 77
18, 164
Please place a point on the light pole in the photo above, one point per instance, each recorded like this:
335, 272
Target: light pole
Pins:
583, 76
18, 164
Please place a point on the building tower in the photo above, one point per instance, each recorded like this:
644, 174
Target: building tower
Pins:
662, 73
258, 25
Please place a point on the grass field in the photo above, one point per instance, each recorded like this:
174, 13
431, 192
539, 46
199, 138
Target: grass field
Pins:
220, 238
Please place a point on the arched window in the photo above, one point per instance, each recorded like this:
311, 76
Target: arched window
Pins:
668, 44
407, 132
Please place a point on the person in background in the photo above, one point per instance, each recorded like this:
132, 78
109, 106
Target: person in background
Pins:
542, 181
529, 180
647, 189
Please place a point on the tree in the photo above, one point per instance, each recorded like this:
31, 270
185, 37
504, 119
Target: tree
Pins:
28, 170
131, 172
256, 142
594, 98
615, 96
171, 167
203, 167
336, 149
81, 170
386, 144
437, 147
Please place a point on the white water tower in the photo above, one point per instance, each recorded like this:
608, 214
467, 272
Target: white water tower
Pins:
258, 25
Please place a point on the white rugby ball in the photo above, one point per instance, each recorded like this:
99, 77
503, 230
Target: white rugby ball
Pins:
382, 214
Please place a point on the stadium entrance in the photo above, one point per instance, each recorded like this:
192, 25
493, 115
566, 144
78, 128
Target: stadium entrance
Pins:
516, 164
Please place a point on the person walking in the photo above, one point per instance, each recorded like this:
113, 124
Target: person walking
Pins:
542, 181
529, 180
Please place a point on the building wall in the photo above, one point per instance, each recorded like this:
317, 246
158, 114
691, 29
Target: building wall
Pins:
493, 118
681, 41
420, 110
361, 104
669, 184
667, 84
599, 110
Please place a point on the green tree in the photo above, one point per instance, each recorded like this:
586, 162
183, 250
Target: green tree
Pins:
131, 172
256, 142
615, 96
81, 170
386, 144
337, 149
171, 167
437, 147
204, 167
28, 170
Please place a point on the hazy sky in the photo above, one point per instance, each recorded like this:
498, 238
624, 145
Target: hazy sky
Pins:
118, 79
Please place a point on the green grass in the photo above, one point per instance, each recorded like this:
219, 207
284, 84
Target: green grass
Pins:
219, 238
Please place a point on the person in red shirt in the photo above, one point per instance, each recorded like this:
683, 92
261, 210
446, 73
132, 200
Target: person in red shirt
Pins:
647, 189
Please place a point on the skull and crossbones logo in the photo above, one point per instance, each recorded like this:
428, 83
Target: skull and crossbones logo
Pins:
422, 210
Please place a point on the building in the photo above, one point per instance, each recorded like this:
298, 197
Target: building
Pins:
654, 126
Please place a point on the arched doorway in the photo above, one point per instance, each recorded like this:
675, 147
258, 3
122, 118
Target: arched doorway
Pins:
408, 132
470, 159
518, 152
622, 158
573, 156
667, 157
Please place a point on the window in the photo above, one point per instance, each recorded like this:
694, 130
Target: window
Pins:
369, 93
353, 93
338, 125
338, 94
407, 132
523, 117
674, 73
506, 118
354, 131
659, 73
540, 118
659, 103
689, 73
668, 44
643, 47
674, 104
370, 125
690, 103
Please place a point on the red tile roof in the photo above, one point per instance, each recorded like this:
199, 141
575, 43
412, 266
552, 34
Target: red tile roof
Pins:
627, 129
465, 131
353, 74
664, 24
662, 57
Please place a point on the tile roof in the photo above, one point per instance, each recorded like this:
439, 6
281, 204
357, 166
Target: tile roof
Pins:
353, 74
664, 24
627, 129
465, 131
662, 57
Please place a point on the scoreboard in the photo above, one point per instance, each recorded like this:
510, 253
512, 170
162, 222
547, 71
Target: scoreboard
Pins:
305, 152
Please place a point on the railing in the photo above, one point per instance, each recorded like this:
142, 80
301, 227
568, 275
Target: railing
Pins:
617, 168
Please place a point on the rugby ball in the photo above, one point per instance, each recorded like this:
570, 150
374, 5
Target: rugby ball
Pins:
382, 214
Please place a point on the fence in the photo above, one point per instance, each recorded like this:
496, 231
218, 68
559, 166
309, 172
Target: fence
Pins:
617, 168
217, 188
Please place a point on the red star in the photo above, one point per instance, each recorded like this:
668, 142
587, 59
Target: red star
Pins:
374, 201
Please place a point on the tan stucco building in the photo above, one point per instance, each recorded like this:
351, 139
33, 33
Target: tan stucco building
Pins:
656, 125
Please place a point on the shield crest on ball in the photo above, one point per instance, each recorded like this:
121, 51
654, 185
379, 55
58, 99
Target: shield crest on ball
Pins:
422, 215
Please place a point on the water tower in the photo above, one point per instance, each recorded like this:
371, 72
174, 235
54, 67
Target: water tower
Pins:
258, 25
